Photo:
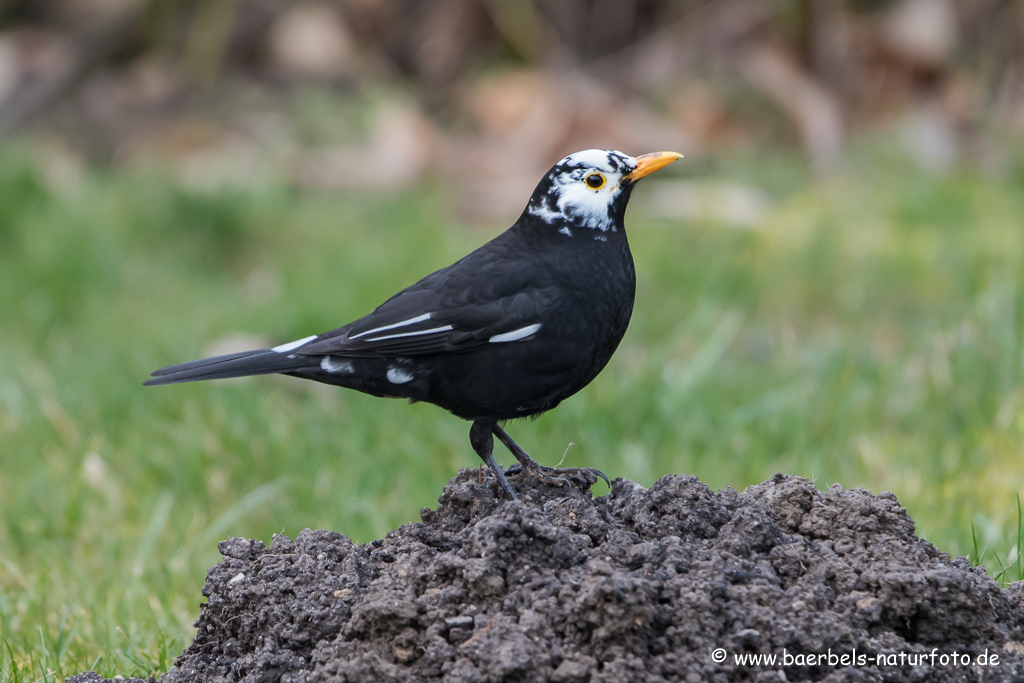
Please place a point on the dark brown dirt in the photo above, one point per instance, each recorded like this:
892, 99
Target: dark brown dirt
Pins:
637, 585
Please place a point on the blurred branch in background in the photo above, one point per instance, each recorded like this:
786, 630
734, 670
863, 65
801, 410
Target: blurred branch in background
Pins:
522, 80
39, 66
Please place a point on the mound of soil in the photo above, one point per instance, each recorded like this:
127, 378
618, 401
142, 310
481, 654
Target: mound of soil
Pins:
671, 583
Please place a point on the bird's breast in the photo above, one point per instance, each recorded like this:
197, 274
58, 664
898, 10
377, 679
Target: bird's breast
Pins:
599, 283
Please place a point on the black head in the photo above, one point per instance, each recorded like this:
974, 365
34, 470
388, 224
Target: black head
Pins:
590, 189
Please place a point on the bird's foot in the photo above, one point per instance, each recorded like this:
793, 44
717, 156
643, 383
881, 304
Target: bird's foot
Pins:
558, 476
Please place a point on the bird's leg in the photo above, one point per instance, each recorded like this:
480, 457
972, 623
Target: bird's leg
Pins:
483, 443
532, 467
525, 461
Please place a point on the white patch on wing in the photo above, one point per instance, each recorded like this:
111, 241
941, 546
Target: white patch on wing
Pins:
397, 375
291, 346
336, 367
404, 323
515, 335
416, 333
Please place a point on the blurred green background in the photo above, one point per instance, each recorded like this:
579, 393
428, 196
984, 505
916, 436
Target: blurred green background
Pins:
830, 285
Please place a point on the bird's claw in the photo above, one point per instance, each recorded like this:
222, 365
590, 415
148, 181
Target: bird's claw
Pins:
539, 472
552, 475
602, 475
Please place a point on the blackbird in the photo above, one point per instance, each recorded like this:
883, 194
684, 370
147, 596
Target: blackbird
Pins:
507, 332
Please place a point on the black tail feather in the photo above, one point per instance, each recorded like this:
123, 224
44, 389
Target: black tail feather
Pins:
258, 362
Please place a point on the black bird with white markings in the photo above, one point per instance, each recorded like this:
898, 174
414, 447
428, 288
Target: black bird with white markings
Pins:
509, 331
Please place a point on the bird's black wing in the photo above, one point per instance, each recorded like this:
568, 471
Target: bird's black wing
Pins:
475, 301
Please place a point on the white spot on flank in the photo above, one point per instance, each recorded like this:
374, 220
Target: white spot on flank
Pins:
291, 346
443, 328
397, 375
565, 231
515, 335
336, 367
410, 321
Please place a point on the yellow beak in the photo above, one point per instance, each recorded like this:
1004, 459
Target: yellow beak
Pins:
647, 164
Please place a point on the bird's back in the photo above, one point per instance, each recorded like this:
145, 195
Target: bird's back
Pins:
580, 292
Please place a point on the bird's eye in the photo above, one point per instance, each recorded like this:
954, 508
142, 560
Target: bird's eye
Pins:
595, 181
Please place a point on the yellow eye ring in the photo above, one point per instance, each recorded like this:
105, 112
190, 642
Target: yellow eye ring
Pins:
595, 181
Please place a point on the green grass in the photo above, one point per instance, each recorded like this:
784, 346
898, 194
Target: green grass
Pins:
870, 333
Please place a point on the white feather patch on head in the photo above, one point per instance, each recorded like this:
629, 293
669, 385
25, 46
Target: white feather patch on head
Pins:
596, 159
575, 202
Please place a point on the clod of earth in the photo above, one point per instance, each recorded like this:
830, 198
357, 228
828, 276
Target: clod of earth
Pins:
637, 585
